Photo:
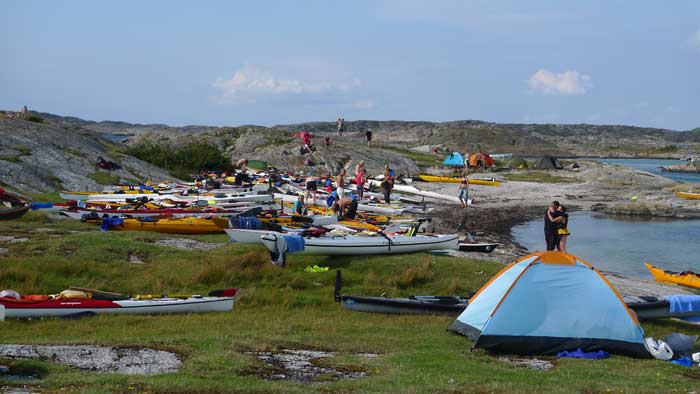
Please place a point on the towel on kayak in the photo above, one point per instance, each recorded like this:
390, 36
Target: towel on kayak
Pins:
109, 222
578, 353
295, 243
684, 303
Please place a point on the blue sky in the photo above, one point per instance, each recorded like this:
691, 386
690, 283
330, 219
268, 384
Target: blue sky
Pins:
272, 62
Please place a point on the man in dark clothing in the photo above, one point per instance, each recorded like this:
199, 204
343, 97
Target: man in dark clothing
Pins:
550, 229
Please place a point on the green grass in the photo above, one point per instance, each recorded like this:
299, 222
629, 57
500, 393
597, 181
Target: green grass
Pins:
281, 308
421, 159
11, 159
47, 197
539, 177
103, 178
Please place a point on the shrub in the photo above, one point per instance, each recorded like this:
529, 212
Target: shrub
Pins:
34, 118
183, 160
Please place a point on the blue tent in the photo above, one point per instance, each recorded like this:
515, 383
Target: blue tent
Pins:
549, 302
454, 159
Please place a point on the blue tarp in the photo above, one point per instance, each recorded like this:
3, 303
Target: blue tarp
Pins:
684, 304
246, 223
110, 222
40, 205
295, 243
454, 159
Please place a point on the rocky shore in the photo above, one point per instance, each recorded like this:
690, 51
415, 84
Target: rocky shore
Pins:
595, 187
693, 168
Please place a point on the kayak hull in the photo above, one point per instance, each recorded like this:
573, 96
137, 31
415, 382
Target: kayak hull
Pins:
477, 247
402, 306
357, 245
683, 279
691, 196
58, 308
449, 179
172, 226
13, 213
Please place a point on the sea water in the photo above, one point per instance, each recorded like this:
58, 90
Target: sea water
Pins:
622, 244
654, 166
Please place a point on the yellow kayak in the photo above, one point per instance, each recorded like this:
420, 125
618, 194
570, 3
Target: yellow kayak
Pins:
188, 225
360, 225
689, 279
692, 196
450, 179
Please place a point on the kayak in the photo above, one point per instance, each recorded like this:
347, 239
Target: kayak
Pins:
448, 179
413, 305
352, 245
187, 225
414, 190
44, 306
661, 309
376, 208
13, 213
692, 196
686, 278
142, 213
482, 247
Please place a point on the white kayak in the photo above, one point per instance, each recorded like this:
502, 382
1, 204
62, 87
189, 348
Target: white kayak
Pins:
67, 307
414, 190
376, 208
360, 245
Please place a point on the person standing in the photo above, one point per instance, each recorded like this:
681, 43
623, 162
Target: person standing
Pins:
388, 183
368, 136
311, 188
464, 190
550, 228
339, 182
560, 219
360, 180
340, 123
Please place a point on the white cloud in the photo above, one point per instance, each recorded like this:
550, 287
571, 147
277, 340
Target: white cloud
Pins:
250, 83
566, 83
694, 41
363, 104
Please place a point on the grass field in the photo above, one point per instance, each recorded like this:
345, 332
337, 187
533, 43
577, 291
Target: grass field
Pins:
538, 176
282, 308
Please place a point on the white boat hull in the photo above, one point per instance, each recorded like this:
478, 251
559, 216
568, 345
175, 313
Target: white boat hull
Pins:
358, 245
160, 306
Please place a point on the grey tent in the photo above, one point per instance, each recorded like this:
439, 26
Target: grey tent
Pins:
547, 163
517, 162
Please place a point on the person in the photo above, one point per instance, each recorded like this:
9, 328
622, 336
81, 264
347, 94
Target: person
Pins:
360, 180
327, 140
346, 207
368, 136
311, 188
241, 164
388, 183
339, 182
466, 161
550, 231
299, 206
464, 190
561, 220
341, 126
306, 140
360, 166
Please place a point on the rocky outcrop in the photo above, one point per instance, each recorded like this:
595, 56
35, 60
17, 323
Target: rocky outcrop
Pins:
462, 135
39, 157
689, 168
130, 361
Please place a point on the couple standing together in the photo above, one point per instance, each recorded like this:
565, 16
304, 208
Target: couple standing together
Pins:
556, 227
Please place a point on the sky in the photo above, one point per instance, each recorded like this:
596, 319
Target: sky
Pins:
278, 62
